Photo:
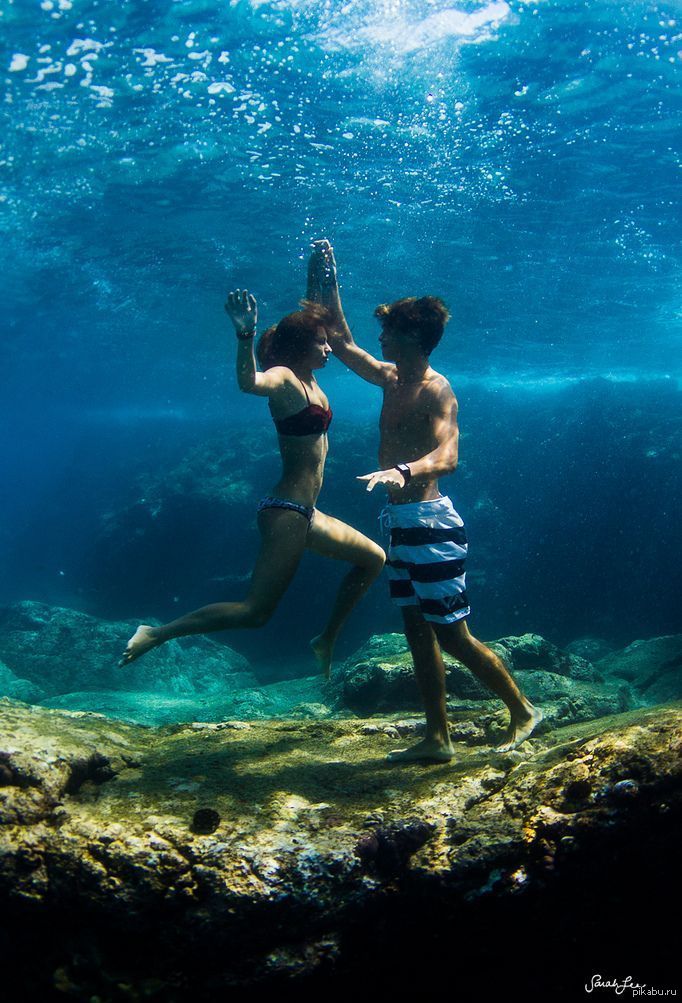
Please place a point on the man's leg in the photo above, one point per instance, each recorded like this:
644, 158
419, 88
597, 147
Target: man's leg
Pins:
456, 640
430, 673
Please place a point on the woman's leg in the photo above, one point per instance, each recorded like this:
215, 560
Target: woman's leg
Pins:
330, 537
283, 540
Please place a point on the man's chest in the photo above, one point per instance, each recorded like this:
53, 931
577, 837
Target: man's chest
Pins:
402, 413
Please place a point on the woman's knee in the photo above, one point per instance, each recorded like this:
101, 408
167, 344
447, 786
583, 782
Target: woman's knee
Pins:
376, 559
255, 615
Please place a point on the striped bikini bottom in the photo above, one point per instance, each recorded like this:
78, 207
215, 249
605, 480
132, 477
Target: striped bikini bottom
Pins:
426, 558
304, 510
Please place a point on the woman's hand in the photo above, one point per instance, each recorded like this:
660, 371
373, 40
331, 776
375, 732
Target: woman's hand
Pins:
392, 478
242, 310
323, 285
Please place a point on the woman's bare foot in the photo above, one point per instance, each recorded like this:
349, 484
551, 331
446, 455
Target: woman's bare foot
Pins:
520, 728
323, 651
142, 641
429, 749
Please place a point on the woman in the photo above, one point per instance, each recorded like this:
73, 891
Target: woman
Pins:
288, 521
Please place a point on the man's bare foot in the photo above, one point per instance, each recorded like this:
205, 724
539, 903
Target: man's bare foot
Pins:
520, 728
142, 641
323, 651
429, 749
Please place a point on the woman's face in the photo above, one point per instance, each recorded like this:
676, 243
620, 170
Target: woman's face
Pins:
319, 351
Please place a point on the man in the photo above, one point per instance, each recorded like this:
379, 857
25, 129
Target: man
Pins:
428, 543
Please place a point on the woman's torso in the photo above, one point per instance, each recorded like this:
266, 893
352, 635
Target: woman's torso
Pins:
302, 413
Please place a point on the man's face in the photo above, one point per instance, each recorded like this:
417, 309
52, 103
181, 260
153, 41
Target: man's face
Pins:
394, 344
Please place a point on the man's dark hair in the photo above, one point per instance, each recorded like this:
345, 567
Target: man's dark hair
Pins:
286, 343
426, 317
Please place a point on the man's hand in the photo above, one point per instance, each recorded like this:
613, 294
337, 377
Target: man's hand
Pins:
323, 285
242, 310
390, 477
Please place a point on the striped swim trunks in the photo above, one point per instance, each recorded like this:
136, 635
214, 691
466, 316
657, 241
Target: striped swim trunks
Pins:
426, 558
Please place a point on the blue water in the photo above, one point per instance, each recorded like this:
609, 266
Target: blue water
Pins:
520, 159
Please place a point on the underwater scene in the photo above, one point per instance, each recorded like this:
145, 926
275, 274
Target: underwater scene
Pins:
340, 620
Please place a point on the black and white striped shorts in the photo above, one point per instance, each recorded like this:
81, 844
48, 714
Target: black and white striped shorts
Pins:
426, 558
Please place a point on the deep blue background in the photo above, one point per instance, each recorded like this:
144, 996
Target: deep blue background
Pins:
520, 160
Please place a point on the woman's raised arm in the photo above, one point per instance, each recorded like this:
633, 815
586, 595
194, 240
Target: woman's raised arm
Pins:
242, 309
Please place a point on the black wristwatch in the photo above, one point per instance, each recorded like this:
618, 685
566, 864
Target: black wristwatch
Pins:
405, 471
248, 336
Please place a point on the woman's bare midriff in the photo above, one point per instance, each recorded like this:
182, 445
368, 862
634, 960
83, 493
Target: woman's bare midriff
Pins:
303, 459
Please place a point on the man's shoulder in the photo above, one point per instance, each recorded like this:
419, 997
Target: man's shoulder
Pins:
439, 390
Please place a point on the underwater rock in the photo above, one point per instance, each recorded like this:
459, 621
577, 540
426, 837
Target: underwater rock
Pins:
317, 711
380, 677
205, 820
666, 688
370, 687
388, 849
596, 699
653, 667
195, 498
531, 652
61, 650
591, 648
142, 706
296, 698
383, 647
13, 686
195, 859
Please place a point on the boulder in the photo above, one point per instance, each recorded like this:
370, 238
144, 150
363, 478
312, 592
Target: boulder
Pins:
380, 676
653, 666
291, 698
60, 650
530, 652
176, 527
667, 687
590, 648
13, 686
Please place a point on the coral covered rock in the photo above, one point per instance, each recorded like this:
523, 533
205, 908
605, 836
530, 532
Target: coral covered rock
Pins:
653, 666
60, 650
14, 686
379, 677
530, 651
213, 855
291, 698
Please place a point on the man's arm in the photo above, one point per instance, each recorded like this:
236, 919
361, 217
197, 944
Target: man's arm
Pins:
442, 407
323, 286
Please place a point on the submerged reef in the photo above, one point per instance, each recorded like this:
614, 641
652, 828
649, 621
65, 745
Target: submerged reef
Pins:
176, 527
56, 650
65, 659
184, 862
380, 678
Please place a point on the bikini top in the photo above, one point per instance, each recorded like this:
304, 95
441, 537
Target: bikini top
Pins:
311, 420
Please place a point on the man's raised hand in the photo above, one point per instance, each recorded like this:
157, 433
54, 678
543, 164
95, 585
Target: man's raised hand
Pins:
314, 287
322, 277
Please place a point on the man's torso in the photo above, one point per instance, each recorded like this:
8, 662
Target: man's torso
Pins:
407, 432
